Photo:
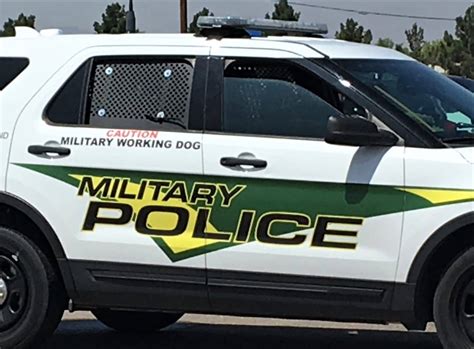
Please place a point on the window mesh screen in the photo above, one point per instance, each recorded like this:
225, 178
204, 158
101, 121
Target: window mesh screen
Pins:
255, 70
124, 94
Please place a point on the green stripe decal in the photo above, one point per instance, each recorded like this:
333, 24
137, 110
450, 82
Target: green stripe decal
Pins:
260, 195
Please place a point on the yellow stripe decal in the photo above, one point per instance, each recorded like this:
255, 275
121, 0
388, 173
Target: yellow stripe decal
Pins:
442, 196
177, 244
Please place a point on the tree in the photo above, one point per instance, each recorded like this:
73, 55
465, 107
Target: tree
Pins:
386, 42
401, 48
444, 53
416, 39
465, 30
454, 53
22, 20
193, 28
465, 34
352, 31
113, 20
284, 11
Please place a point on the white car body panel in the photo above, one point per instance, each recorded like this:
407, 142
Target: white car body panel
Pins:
452, 171
384, 259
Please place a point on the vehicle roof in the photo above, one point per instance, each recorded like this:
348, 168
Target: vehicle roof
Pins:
340, 49
335, 49
463, 81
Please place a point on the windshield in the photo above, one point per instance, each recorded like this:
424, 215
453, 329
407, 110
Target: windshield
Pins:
430, 98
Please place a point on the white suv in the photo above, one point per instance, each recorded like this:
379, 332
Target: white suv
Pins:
143, 176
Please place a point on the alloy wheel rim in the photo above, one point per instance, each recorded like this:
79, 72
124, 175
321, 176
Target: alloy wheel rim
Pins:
3, 291
13, 294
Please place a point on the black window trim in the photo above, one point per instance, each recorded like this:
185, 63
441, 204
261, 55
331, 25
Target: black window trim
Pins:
197, 100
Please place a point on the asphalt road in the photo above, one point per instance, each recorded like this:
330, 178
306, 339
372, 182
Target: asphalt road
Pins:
218, 332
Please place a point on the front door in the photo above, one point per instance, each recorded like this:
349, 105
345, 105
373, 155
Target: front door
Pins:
304, 217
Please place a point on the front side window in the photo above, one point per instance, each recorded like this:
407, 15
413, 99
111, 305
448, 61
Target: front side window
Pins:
132, 93
278, 98
431, 99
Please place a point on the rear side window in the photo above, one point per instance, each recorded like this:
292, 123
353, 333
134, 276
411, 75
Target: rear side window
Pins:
132, 93
10, 68
69, 105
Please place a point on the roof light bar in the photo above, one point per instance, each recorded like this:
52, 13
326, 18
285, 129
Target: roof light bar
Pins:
269, 26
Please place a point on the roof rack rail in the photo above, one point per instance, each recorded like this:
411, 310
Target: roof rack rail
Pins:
28, 32
238, 27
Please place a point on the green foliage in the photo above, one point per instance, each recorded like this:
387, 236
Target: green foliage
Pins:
386, 42
465, 35
453, 53
22, 20
416, 40
442, 53
284, 11
352, 31
465, 30
193, 28
402, 49
113, 20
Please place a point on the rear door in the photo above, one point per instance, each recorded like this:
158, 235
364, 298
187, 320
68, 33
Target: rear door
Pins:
107, 151
303, 220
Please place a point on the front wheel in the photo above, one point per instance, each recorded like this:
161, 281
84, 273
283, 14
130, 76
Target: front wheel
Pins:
134, 321
454, 304
32, 298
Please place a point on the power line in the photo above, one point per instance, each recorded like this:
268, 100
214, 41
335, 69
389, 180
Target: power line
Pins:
361, 12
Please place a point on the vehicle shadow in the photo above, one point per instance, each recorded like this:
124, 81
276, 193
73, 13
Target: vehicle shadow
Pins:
91, 335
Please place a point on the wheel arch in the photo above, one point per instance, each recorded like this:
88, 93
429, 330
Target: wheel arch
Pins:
45, 237
35, 216
434, 258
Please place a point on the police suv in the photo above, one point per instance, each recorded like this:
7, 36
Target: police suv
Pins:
144, 176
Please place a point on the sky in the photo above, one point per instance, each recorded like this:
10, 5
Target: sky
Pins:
78, 16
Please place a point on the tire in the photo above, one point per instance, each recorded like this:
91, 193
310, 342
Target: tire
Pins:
35, 299
134, 321
454, 304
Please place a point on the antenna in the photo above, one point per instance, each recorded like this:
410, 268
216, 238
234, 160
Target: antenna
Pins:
131, 26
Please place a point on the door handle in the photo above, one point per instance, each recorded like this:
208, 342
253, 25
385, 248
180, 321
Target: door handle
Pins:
48, 149
234, 162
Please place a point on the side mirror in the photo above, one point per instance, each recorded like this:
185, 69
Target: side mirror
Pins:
357, 131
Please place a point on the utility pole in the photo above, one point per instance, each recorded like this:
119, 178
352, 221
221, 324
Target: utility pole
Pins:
131, 26
184, 15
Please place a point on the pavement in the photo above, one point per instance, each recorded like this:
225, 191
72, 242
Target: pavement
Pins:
81, 330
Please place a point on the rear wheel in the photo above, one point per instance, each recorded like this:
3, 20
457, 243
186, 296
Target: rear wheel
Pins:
32, 298
133, 321
454, 304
